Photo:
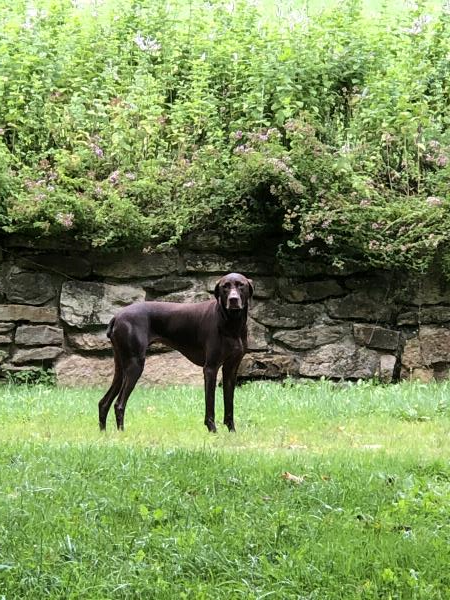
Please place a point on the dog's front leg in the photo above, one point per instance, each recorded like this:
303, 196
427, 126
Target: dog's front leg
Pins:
210, 375
229, 371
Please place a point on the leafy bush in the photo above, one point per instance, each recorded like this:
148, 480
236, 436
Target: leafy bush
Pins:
133, 124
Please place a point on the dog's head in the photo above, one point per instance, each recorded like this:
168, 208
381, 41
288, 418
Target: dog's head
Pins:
233, 291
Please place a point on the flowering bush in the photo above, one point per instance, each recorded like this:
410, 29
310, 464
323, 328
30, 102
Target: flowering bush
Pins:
135, 123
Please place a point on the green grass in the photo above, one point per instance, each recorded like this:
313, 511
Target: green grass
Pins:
166, 510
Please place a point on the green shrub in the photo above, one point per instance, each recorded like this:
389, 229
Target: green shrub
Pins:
133, 124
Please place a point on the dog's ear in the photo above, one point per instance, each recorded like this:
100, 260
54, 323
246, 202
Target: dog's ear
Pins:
251, 287
217, 290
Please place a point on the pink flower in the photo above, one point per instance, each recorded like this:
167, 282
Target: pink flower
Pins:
280, 165
65, 219
243, 149
97, 150
273, 131
114, 177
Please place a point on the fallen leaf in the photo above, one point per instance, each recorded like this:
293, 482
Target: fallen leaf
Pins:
294, 478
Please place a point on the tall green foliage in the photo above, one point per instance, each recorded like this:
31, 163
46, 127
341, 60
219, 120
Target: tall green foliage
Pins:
134, 123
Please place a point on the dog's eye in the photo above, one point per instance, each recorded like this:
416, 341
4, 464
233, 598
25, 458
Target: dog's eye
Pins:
227, 285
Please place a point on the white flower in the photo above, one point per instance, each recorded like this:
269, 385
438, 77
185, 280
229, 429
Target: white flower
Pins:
419, 24
147, 44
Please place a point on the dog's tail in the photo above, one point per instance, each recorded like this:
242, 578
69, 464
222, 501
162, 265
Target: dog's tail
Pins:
110, 327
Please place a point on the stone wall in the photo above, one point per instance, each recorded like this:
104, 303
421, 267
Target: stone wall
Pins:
306, 320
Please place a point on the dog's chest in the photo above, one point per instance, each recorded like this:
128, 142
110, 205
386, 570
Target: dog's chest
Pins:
232, 345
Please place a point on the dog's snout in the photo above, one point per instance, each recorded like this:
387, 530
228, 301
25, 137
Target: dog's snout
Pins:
234, 299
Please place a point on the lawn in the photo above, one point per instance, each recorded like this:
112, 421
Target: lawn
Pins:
166, 510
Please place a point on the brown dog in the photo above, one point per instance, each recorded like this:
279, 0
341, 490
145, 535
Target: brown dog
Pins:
210, 334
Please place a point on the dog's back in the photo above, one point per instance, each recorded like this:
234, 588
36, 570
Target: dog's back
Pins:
183, 327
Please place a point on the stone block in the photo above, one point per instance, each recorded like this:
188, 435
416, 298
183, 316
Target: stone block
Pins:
39, 335
88, 303
28, 287
4, 354
197, 292
340, 360
275, 314
268, 366
44, 353
387, 366
374, 336
33, 314
422, 375
431, 289
426, 315
90, 341
412, 354
359, 305
170, 368
309, 291
299, 267
431, 346
167, 284
60, 264
313, 336
136, 264
435, 344
257, 335
216, 263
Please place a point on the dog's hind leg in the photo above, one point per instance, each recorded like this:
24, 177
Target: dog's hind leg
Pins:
105, 403
132, 370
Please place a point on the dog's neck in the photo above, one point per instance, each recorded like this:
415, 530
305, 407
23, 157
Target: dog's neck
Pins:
235, 319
